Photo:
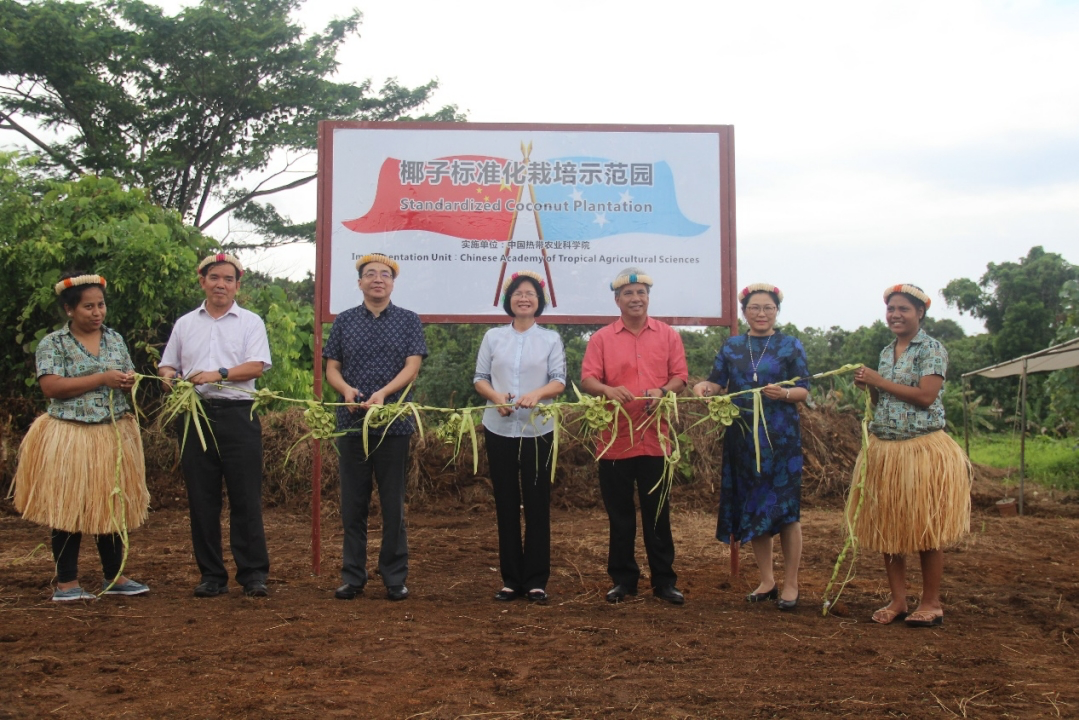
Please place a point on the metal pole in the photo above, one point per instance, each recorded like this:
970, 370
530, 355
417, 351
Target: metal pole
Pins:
1022, 432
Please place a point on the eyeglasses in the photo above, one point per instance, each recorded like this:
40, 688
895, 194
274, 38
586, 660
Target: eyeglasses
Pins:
523, 296
372, 274
757, 309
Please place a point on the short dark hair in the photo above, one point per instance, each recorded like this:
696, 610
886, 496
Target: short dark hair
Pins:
769, 293
72, 296
516, 283
206, 268
918, 304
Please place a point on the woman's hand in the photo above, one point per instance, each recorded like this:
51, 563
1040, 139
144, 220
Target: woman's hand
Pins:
864, 377
118, 379
506, 405
775, 392
706, 389
530, 400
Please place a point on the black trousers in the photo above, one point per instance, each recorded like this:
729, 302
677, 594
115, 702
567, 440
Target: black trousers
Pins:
65, 551
521, 475
235, 454
616, 481
387, 465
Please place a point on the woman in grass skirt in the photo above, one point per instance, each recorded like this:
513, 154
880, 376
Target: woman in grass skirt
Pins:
67, 477
917, 483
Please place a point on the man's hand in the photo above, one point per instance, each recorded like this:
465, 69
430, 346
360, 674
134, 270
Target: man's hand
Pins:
377, 398
620, 394
205, 377
351, 397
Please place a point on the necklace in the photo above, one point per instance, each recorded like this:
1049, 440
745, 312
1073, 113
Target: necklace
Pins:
763, 350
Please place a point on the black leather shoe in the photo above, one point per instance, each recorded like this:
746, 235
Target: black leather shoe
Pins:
209, 588
348, 592
619, 592
761, 597
256, 588
397, 592
788, 605
669, 593
537, 595
505, 595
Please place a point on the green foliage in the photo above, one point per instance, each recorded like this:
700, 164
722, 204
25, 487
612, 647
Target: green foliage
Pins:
1062, 386
183, 105
1049, 461
46, 227
702, 347
1020, 302
290, 329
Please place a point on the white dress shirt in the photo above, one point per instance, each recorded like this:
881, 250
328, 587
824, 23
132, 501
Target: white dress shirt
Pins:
201, 342
518, 363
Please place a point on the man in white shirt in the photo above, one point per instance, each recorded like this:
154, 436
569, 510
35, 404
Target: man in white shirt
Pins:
222, 348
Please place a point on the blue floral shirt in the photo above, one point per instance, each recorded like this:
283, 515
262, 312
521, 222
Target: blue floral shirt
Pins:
60, 353
372, 350
894, 419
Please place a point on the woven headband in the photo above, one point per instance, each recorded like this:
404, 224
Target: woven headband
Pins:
379, 258
222, 258
623, 280
760, 287
78, 280
912, 290
528, 274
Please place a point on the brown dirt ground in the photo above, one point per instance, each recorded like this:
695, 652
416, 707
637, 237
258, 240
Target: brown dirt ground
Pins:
1007, 649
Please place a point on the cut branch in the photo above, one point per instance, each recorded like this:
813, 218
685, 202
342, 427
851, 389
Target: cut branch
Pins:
254, 194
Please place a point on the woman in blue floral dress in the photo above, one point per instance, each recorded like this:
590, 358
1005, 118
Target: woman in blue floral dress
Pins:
755, 505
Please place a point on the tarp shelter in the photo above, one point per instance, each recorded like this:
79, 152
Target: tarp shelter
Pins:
1058, 357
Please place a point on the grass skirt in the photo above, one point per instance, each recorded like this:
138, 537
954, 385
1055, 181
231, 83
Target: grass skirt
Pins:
917, 494
67, 474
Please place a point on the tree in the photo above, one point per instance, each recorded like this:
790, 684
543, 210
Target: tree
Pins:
46, 227
184, 105
1019, 302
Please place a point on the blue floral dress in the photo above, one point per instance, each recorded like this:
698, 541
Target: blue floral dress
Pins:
753, 504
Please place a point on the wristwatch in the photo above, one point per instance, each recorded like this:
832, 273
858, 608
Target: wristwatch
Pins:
223, 372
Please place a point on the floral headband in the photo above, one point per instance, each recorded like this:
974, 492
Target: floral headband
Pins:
528, 274
78, 280
222, 258
379, 258
912, 290
760, 287
623, 280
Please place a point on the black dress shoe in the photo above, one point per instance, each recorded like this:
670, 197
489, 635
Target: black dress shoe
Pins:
397, 592
348, 591
537, 595
505, 595
788, 605
256, 588
761, 597
669, 593
209, 588
619, 592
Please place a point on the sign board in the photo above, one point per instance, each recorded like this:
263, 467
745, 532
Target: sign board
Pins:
462, 206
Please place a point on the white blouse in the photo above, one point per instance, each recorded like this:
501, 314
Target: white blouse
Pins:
518, 363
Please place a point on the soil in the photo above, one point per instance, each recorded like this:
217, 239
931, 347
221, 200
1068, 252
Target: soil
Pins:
1008, 647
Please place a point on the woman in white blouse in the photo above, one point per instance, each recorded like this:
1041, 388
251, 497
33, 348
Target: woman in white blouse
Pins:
519, 366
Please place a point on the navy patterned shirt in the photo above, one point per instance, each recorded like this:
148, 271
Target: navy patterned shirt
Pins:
372, 350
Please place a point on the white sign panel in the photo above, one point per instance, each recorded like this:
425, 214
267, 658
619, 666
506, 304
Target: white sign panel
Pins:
459, 208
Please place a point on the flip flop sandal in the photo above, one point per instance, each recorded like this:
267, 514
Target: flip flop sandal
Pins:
884, 616
924, 619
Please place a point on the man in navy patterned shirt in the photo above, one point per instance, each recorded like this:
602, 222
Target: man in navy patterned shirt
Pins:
373, 354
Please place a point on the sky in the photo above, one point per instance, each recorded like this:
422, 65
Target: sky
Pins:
875, 142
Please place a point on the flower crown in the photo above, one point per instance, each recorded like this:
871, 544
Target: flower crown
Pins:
78, 280
379, 258
912, 290
760, 287
528, 274
222, 258
623, 280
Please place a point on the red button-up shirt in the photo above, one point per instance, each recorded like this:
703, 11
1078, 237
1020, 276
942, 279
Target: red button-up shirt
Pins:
615, 356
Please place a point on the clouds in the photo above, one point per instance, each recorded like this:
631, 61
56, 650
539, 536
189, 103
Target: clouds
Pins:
875, 142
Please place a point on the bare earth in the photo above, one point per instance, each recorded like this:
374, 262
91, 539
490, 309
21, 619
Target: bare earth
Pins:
1008, 647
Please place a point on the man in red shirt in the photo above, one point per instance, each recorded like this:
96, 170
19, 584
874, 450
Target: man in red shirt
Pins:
635, 357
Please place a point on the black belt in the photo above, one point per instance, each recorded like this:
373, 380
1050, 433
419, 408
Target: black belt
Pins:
223, 403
